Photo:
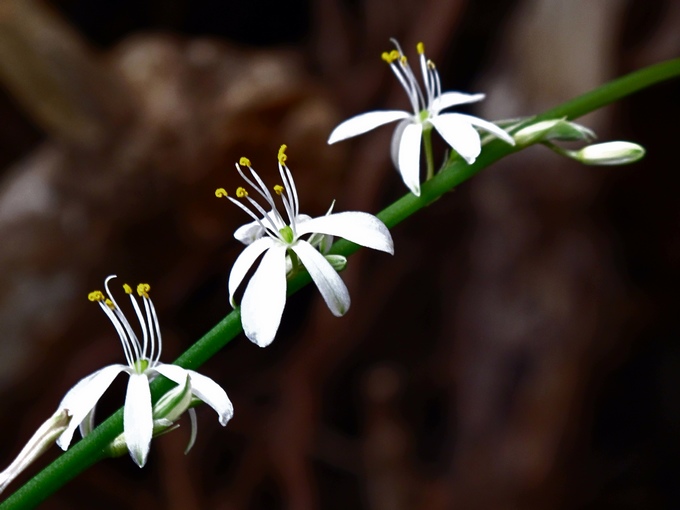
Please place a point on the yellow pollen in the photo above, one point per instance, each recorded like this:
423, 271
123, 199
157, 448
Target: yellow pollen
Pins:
127, 288
110, 304
143, 290
278, 189
282, 154
430, 64
390, 57
244, 162
421, 48
241, 192
403, 60
221, 193
96, 295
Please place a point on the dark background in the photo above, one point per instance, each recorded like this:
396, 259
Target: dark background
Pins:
519, 351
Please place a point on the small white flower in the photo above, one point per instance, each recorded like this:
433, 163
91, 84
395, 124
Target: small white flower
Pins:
143, 365
457, 129
278, 240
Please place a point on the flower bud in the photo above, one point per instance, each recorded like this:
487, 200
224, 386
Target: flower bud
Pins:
555, 129
610, 153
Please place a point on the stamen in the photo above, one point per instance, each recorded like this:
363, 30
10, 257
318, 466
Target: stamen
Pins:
430, 64
221, 193
143, 290
278, 189
391, 56
109, 303
241, 192
420, 47
282, 154
127, 288
96, 295
403, 60
244, 162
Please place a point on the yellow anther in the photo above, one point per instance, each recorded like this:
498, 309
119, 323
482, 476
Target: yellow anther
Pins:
244, 162
127, 288
110, 304
241, 192
278, 189
96, 295
282, 154
221, 193
403, 60
143, 290
421, 48
430, 64
391, 56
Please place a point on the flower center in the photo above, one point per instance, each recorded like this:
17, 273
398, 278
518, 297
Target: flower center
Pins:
424, 115
287, 234
141, 365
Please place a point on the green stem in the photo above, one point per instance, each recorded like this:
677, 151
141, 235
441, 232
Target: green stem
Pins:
92, 449
429, 157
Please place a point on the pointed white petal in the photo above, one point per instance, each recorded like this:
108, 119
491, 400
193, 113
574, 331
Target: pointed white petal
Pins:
137, 418
459, 134
359, 227
490, 127
244, 262
365, 122
409, 157
265, 297
212, 394
194, 430
329, 283
80, 399
449, 99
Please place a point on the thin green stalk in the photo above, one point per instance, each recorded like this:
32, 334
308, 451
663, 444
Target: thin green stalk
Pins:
429, 157
91, 449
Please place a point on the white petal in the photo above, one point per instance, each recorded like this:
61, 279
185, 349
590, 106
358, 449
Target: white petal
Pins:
359, 227
212, 394
490, 127
137, 418
80, 399
396, 141
365, 122
249, 232
265, 297
459, 134
175, 373
409, 157
244, 262
449, 99
329, 283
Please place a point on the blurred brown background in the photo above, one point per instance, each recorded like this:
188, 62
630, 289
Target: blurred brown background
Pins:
520, 351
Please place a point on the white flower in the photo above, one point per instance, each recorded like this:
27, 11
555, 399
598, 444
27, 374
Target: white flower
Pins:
143, 365
278, 240
457, 129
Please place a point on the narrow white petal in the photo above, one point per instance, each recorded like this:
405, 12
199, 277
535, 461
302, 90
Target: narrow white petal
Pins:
409, 157
359, 227
459, 134
396, 141
137, 418
194, 430
244, 262
80, 399
449, 99
329, 283
212, 394
265, 297
490, 127
365, 122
